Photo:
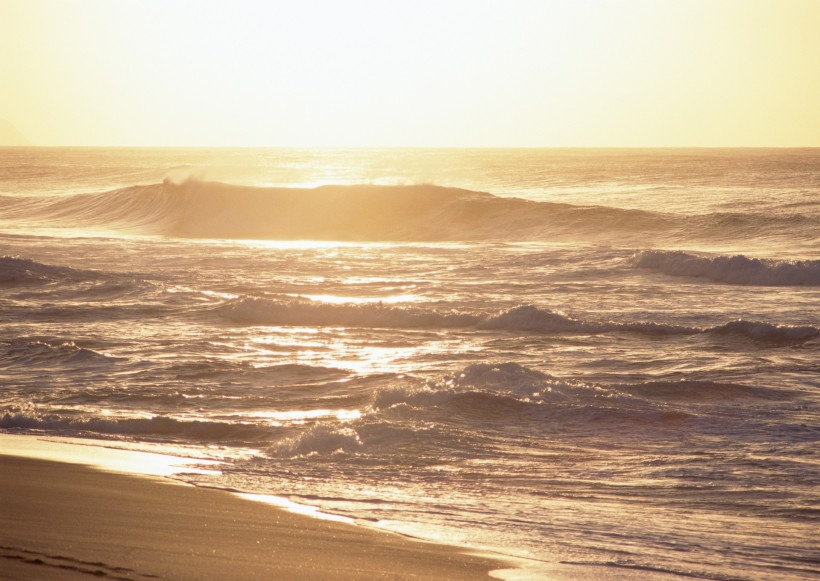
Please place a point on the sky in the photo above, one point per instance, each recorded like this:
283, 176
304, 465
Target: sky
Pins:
443, 73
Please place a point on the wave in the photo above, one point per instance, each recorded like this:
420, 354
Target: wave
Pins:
766, 331
737, 269
291, 374
414, 418
321, 439
485, 390
532, 319
68, 312
405, 414
16, 271
298, 312
201, 209
524, 318
506, 396
135, 209
725, 226
25, 353
26, 279
160, 427
701, 391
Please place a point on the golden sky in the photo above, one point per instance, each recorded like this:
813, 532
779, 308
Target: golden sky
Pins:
500, 73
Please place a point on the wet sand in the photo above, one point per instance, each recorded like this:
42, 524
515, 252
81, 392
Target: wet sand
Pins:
69, 521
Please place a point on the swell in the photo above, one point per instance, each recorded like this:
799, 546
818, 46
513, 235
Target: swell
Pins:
199, 209
524, 318
137, 209
738, 269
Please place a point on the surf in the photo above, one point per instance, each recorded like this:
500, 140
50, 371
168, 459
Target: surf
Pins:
524, 319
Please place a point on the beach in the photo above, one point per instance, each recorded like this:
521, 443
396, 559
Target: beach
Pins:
526, 291
590, 362
68, 521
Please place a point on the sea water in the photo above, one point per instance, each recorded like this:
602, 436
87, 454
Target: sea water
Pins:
606, 357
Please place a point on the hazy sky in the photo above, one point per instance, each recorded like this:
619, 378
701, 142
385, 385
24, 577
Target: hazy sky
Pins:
402, 73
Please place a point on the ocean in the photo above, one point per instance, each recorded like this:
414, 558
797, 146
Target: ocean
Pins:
604, 357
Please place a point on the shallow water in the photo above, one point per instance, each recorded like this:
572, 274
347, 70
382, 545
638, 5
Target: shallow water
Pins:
605, 357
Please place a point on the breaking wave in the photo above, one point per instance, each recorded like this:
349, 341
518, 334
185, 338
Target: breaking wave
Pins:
406, 415
406, 418
200, 209
321, 439
737, 269
525, 318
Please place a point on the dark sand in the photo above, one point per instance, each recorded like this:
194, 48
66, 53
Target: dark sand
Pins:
67, 521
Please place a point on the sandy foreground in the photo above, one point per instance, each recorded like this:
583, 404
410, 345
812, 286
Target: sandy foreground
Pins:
69, 521
71, 511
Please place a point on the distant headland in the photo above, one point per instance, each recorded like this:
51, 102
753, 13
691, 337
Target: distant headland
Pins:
10, 135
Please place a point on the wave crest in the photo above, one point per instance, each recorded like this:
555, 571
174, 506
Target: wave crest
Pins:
767, 331
319, 440
188, 206
524, 318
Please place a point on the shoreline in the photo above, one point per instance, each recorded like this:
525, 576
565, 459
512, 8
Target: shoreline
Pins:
66, 520
71, 508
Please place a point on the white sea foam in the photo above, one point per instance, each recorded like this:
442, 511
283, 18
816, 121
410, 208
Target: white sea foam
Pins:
321, 439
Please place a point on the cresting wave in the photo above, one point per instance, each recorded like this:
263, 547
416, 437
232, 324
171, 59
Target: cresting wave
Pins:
373, 213
488, 394
737, 269
136, 209
525, 318
482, 394
478, 396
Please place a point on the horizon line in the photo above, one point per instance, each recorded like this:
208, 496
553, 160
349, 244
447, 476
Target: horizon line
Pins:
364, 147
